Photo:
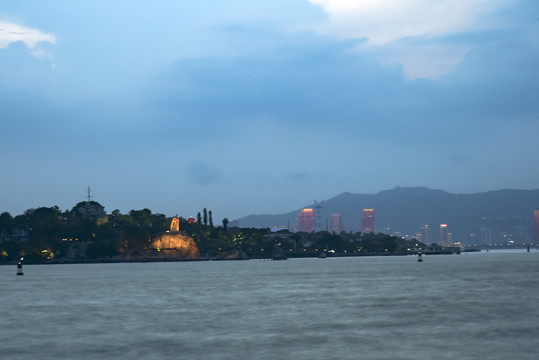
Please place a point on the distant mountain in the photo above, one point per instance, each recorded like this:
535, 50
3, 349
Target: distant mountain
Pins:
407, 209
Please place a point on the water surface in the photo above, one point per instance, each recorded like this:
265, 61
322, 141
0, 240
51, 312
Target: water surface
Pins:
468, 306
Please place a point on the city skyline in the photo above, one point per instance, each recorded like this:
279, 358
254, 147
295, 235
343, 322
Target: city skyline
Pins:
245, 107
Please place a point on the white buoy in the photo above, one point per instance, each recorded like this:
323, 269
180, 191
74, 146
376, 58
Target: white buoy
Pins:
19, 268
419, 258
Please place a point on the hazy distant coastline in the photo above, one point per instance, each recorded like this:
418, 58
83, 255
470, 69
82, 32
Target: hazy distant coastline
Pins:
87, 234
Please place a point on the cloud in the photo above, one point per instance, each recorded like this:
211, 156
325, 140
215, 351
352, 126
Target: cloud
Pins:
405, 29
322, 83
382, 22
11, 33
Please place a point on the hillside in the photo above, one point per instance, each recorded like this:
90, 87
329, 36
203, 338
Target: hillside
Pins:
406, 209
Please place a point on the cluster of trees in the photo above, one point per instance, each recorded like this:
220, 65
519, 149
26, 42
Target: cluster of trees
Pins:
44, 234
47, 233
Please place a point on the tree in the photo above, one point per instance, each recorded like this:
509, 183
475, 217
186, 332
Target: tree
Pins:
199, 218
211, 219
6, 221
101, 250
225, 223
205, 216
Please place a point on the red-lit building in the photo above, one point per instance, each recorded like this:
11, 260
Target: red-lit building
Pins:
536, 225
336, 223
367, 221
305, 221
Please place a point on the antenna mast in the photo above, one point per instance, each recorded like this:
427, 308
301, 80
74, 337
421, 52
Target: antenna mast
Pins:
89, 196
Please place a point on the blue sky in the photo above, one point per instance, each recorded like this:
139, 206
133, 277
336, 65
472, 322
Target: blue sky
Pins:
260, 106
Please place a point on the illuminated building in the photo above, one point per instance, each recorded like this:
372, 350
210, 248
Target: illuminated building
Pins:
305, 221
367, 222
443, 229
336, 223
536, 225
425, 229
276, 229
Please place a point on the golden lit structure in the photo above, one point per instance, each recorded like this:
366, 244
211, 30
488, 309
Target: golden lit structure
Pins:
172, 244
175, 224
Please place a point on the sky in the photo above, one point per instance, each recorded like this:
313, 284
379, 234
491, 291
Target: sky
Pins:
262, 106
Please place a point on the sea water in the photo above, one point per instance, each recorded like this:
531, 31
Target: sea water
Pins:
468, 306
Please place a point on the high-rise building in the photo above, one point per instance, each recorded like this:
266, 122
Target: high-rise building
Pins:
305, 221
425, 233
443, 230
486, 236
320, 220
536, 225
336, 223
367, 221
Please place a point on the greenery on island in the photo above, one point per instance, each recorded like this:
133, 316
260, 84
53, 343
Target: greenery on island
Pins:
49, 235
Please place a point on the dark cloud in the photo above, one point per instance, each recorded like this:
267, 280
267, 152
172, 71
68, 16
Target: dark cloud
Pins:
314, 81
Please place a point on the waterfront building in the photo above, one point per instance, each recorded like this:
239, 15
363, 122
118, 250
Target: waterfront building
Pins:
367, 221
305, 221
336, 223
